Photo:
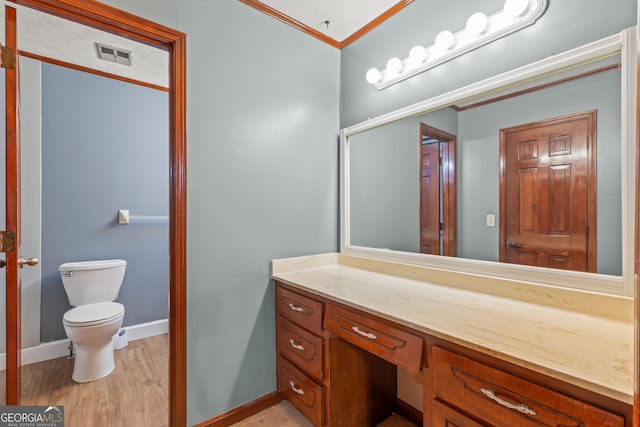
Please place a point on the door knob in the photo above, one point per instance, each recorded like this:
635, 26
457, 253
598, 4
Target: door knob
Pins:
3, 263
514, 244
30, 261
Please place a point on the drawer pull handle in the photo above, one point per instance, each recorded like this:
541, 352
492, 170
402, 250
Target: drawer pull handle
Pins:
520, 407
362, 333
296, 308
296, 346
295, 388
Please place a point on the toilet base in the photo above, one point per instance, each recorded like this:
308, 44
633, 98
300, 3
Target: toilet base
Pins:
93, 361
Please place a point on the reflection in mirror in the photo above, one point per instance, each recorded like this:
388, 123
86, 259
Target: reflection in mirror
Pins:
387, 178
437, 191
382, 173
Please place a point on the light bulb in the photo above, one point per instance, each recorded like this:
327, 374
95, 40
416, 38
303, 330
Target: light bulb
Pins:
374, 76
477, 23
394, 66
515, 8
417, 55
445, 40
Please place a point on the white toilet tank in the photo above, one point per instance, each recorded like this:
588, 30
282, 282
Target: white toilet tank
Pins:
88, 282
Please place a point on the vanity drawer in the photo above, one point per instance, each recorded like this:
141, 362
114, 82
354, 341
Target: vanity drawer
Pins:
301, 391
390, 343
504, 400
300, 347
443, 416
304, 311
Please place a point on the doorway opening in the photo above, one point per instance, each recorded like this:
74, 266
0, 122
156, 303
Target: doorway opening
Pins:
437, 191
120, 23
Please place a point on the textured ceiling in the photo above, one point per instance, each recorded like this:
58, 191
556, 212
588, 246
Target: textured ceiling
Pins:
49, 36
345, 17
52, 37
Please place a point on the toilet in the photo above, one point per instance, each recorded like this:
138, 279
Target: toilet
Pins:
92, 287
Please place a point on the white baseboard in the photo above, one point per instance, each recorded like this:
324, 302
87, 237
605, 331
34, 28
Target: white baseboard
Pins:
60, 348
146, 330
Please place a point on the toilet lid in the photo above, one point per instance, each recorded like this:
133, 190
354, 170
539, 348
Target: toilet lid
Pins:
93, 314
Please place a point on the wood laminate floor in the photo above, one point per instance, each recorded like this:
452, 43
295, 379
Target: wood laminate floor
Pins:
285, 415
134, 394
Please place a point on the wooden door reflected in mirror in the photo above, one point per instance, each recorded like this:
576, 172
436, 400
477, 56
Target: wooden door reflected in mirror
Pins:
437, 191
548, 193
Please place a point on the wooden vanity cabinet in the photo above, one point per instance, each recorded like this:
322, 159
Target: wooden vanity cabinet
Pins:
385, 341
301, 346
465, 392
444, 416
337, 365
329, 380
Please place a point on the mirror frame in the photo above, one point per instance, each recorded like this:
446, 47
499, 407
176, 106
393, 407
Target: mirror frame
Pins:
624, 44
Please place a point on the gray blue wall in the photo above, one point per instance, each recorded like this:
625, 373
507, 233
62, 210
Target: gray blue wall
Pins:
104, 147
262, 125
263, 122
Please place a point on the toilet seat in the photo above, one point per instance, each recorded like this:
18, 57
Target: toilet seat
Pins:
93, 314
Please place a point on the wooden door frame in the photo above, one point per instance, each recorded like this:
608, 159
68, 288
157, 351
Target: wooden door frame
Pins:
591, 116
115, 21
448, 177
12, 183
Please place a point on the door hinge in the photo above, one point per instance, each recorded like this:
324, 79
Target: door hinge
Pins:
7, 241
441, 161
8, 57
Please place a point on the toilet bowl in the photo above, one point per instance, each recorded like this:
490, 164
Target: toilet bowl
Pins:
92, 287
91, 328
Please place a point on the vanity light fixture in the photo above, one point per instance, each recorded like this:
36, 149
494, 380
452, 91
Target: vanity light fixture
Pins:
394, 66
477, 24
417, 55
445, 40
480, 29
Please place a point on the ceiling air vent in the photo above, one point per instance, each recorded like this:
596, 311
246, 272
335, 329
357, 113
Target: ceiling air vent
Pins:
114, 54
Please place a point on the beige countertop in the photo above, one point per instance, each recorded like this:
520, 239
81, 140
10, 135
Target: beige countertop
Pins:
571, 343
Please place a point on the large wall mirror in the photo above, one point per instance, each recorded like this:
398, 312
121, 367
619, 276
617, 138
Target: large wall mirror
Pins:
525, 176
